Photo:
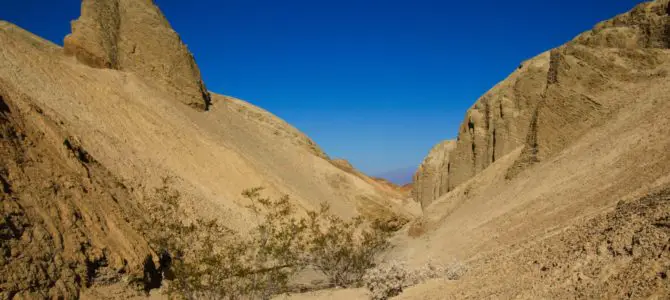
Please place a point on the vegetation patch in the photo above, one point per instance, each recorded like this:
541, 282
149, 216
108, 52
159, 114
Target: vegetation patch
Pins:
201, 259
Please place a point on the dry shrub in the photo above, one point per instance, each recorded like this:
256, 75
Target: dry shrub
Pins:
417, 228
205, 260
386, 281
389, 223
191, 258
342, 250
389, 280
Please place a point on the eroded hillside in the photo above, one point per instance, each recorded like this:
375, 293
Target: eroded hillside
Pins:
557, 186
90, 130
67, 221
553, 99
622, 254
541, 162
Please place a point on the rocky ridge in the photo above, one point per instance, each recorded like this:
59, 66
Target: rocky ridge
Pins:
551, 100
575, 206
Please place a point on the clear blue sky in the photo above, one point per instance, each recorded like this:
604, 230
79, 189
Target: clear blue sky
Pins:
377, 82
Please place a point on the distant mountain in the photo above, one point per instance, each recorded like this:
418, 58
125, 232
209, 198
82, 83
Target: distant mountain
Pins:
398, 176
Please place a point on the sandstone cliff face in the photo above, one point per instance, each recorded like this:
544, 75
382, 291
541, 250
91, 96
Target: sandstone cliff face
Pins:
578, 208
554, 98
493, 127
134, 36
432, 178
587, 78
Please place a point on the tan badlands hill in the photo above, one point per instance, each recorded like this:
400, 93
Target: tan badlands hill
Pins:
89, 130
392, 188
551, 188
553, 99
558, 186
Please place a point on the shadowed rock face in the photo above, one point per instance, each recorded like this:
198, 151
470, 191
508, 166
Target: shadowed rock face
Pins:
134, 36
553, 99
67, 222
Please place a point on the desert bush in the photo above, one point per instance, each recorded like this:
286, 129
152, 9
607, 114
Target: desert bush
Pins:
205, 260
417, 228
455, 270
386, 281
187, 248
342, 250
389, 223
276, 247
389, 280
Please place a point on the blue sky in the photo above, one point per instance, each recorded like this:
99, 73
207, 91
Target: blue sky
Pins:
375, 82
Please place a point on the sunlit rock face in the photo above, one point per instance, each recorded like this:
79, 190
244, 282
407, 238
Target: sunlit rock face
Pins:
134, 36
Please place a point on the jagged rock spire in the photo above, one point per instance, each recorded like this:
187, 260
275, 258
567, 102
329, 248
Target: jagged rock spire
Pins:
134, 36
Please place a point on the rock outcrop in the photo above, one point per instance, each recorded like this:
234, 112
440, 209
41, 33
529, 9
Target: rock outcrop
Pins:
585, 79
579, 207
134, 36
493, 127
432, 178
66, 221
645, 26
550, 101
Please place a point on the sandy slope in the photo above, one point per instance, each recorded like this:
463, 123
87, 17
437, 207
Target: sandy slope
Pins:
142, 135
543, 221
138, 134
621, 254
622, 159
573, 227
553, 194
556, 174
